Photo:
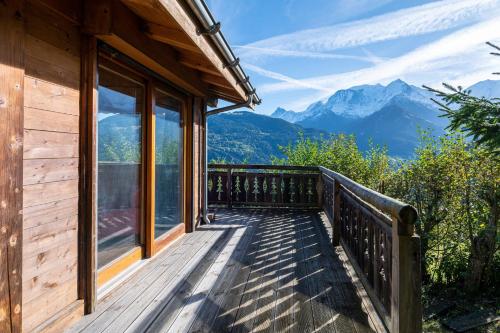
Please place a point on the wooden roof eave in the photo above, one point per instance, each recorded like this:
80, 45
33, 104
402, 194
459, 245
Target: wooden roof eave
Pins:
168, 22
118, 26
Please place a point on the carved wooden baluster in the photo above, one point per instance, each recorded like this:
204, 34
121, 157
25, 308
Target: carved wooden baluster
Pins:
366, 247
371, 249
246, 186
256, 187
383, 268
210, 185
264, 190
292, 190
282, 189
376, 261
388, 268
274, 189
310, 193
237, 188
219, 189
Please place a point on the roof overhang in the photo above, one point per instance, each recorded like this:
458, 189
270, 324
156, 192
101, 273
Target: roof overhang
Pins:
175, 24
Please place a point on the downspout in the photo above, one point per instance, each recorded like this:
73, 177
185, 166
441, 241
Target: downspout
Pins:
247, 104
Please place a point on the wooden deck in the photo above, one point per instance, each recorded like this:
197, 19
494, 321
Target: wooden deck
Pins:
252, 270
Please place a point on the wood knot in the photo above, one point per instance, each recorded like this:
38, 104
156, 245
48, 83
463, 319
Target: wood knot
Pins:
16, 142
13, 240
17, 309
40, 258
3, 204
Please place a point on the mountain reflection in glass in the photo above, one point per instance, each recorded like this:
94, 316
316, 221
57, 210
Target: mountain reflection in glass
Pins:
168, 152
119, 130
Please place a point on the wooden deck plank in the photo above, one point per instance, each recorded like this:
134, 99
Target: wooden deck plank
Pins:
264, 256
304, 317
137, 310
268, 296
114, 303
287, 282
251, 270
321, 283
211, 305
170, 302
226, 317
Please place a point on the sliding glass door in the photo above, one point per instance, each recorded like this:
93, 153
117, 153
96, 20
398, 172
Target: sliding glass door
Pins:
140, 165
168, 160
121, 106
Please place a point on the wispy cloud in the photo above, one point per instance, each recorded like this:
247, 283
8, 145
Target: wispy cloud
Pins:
306, 54
284, 78
436, 16
445, 59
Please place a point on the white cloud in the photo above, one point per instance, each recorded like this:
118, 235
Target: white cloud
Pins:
460, 57
283, 78
305, 54
436, 16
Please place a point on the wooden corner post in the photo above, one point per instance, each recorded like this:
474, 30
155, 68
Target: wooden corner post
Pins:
11, 163
406, 295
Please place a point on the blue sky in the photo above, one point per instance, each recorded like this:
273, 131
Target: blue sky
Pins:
301, 51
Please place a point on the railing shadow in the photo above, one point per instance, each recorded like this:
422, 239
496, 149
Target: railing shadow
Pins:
296, 282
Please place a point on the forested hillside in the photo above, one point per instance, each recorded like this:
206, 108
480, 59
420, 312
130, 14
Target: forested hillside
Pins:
252, 138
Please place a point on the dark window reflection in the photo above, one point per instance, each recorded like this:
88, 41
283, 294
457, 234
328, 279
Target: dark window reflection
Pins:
119, 127
168, 164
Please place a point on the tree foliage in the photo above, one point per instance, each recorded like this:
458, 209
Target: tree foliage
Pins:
342, 154
478, 117
453, 184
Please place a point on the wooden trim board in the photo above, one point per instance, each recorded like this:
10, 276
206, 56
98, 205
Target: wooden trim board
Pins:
11, 163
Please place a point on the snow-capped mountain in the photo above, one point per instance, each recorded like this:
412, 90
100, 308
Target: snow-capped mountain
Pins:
389, 115
356, 102
290, 116
488, 88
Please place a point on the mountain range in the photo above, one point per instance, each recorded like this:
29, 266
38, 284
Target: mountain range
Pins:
249, 137
388, 115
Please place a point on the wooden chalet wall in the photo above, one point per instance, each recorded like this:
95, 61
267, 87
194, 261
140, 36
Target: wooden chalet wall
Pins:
50, 180
41, 103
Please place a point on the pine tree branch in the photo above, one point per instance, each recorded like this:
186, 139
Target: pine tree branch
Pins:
493, 45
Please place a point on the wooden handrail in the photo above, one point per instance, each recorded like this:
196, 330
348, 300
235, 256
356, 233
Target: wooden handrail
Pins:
386, 259
386, 204
262, 167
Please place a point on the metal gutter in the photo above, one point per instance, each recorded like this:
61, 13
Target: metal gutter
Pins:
211, 28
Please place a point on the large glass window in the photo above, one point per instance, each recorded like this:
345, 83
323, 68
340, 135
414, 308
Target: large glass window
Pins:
119, 152
168, 157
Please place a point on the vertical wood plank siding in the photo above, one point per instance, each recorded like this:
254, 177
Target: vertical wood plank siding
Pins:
11, 155
51, 168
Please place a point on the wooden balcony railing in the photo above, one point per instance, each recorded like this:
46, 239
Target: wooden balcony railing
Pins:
377, 232
263, 186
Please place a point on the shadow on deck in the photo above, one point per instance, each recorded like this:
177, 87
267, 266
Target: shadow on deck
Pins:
251, 270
